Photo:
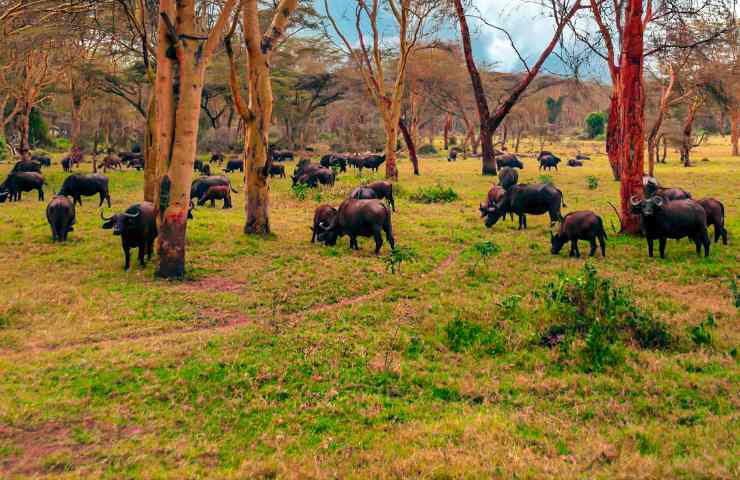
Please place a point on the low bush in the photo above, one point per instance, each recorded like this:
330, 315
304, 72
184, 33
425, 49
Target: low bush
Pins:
592, 182
464, 335
435, 194
427, 150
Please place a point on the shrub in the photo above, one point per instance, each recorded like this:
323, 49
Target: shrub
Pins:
435, 194
4, 149
427, 150
735, 290
300, 190
604, 315
398, 256
485, 250
595, 124
545, 179
592, 182
63, 144
701, 334
464, 335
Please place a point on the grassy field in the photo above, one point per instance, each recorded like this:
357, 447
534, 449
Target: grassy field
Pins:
486, 357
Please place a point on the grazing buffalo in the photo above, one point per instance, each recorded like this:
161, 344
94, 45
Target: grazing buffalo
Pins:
715, 216
509, 160
581, 225
281, 155
216, 192
452, 156
201, 185
323, 215
137, 227
66, 164
575, 163
359, 218
313, 174
277, 170
234, 165
79, 185
548, 161
197, 165
523, 199
27, 166
670, 194
373, 162
217, 158
112, 162
203, 168
363, 193
383, 189
132, 159
582, 156
676, 219
508, 177
333, 160
43, 160
495, 194
60, 213
19, 182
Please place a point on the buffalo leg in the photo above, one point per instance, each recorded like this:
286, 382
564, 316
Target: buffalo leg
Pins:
378, 239
78, 199
107, 196
127, 255
575, 248
705, 240
650, 247
602, 243
213, 203
313, 234
41, 194
662, 241
149, 249
53, 233
724, 235
572, 249
142, 252
593, 247
389, 235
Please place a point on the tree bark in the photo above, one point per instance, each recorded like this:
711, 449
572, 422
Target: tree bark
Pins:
735, 132
613, 136
151, 173
687, 140
24, 130
409, 145
632, 124
446, 131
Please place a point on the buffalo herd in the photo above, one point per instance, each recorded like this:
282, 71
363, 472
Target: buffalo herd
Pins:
665, 213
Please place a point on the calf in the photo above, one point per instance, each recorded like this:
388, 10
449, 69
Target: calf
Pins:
509, 160
19, 182
676, 219
78, 185
216, 192
60, 213
234, 165
323, 215
137, 227
508, 177
359, 218
581, 225
715, 216
277, 170
533, 199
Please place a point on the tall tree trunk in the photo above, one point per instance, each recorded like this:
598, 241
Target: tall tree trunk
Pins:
735, 132
76, 126
24, 131
632, 124
446, 131
488, 151
151, 174
391, 117
409, 145
687, 140
613, 135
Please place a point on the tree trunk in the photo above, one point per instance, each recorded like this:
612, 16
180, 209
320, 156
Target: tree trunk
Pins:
76, 122
446, 131
489, 159
150, 151
24, 131
632, 124
735, 132
409, 145
613, 136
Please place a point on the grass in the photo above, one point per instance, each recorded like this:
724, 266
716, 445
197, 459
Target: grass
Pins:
279, 358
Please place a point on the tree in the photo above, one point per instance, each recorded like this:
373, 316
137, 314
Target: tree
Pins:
182, 58
595, 122
411, 17
554, 109
489, 123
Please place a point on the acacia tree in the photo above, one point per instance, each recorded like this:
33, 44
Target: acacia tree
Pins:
257, 112
371, 61
183, 54
562, 14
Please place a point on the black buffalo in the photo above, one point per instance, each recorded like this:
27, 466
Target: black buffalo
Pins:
532, 199
323, 215
137, 227
581, 225
383, 189
372, 162
662, 219
715, 216
671, 194
359, 218
19, 182
60, 213
575, 163
281, 155
508, 177
66, 164
548, 161
582, 156
333, 160
363, 193
43, 160
313, 174
27, 166
217, 192
201, 185
509, 160
452, 156
217, 158
79, 185
234, 165
277, 170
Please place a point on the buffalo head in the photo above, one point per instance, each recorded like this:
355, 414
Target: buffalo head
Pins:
490, 213
646, 207
120, 222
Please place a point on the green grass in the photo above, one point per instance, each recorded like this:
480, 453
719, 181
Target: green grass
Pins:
282, 358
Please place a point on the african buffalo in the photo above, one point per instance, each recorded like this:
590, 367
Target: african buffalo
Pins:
111, 162
580, 225
312, 174
671, 194
509, 160
522, 199
281, 155
19, 182
234, 165
508, 177
715, 216
452, 156
495, 194
217, 158
43, 160
324, 214
60, 213
78, 185
363, 218
575, 163
548, 161
66, 164
363, 193
137, 227
217, 192
201, 185
582, 156
383, 189
277, 170
372, 161
27, 166
333, 160
676, 219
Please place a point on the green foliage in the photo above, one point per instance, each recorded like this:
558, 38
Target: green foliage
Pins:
427, 150
62, 144
701, 334
595, 124
510, 305
300, 191
588, 306
4, 149
485, 250
592, 182
465, 335
435, 194
38, 134
735, 290
554, 108
398, 256
545, 179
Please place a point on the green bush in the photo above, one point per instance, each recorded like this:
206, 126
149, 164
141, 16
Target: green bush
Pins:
545, 179
701, 334
62, 144
4, 149
592, 182
427, 150
465, 335
595, 124
300, 190
485, 250
398, 256
435, 194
